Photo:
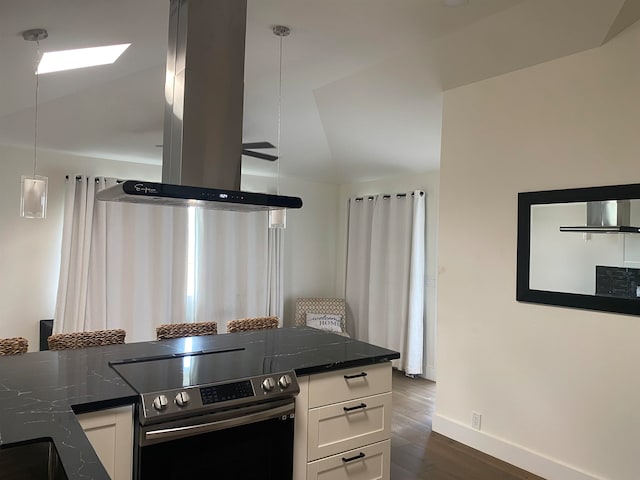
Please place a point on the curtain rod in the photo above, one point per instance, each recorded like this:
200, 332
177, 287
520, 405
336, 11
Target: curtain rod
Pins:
80, 177
386, 197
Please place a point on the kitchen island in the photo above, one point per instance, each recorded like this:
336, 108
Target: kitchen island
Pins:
41, 392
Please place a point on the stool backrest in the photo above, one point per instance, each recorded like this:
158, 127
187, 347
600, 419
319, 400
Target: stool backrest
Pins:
178, 330
255, 323
13, 346
96, 338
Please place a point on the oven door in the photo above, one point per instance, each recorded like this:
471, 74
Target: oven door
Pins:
246, 443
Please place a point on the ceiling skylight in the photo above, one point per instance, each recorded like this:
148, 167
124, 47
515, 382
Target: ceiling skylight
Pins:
80, 58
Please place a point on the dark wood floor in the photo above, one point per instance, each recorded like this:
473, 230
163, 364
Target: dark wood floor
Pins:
419, 453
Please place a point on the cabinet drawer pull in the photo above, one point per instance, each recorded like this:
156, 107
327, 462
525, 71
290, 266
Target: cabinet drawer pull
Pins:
357, 407
351, 459
357, 375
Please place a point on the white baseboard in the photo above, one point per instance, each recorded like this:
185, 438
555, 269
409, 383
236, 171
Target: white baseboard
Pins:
531, 461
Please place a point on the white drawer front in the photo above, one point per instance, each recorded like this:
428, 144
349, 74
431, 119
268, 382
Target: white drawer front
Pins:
347, 425
334, 387
368, 463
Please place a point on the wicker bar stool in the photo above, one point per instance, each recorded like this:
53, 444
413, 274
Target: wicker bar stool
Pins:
256, 323
97, 338
13, 346
177, 330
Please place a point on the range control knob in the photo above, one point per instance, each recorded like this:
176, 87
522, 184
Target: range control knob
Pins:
268, 384
182, 398
160, 402
285, 381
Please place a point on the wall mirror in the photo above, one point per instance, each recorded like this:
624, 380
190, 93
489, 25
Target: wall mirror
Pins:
580, 248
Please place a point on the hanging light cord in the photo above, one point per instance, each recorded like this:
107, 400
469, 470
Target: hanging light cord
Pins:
279, 120
35, 128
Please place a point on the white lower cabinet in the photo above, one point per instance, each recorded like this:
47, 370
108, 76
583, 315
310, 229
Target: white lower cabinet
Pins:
343, 425
111, 435
366, 463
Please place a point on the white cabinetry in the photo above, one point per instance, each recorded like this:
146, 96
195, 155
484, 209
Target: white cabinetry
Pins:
343, 425
111, 435
368, 463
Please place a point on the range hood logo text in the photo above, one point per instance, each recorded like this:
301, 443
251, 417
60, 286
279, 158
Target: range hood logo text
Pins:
141, 187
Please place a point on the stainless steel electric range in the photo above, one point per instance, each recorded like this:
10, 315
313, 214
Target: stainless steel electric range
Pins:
218, 414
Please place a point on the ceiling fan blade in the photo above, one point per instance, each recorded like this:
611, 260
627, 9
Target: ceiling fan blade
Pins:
262, 156
258, 145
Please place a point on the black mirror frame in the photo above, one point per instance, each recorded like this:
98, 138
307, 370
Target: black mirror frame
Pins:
588, 302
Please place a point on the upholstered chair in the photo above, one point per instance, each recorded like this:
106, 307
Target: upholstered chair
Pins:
328, 314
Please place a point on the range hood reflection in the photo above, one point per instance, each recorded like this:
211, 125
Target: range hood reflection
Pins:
186, 196
601, 229
609, 216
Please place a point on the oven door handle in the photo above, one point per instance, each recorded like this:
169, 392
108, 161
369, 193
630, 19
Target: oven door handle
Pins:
165, 434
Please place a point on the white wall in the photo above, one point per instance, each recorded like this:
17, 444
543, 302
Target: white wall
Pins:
428, 183
309, 239
557, 388
29, 248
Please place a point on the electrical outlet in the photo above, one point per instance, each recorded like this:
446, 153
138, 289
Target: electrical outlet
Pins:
476, 420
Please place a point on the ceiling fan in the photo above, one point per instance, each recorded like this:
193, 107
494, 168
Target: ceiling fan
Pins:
247, 149
250, 153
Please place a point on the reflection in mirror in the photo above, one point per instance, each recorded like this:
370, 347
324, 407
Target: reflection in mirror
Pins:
568, 261
566, 258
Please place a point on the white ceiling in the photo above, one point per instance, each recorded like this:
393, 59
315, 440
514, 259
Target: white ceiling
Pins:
362, 79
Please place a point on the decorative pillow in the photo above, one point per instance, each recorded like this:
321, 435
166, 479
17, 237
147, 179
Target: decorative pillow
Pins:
325, 321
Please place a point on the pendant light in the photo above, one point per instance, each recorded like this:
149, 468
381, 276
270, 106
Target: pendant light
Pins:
33, 196
278, 218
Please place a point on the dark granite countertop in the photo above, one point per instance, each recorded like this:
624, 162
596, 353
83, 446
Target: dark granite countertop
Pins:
40, 392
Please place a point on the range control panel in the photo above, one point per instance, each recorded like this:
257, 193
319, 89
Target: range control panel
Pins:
226, 391
199, 399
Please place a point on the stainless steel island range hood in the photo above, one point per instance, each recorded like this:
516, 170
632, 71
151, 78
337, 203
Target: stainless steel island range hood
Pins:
609, 216
202, 140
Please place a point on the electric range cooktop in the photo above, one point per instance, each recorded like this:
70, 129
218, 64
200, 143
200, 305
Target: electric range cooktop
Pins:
176, 385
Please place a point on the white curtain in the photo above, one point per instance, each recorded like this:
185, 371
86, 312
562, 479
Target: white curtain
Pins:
136, 266
122, 265
73, 282
385, 274
238, 264
145, 268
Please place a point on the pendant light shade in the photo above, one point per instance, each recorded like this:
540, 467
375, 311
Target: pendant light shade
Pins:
33, 197
34, 188
278, 218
